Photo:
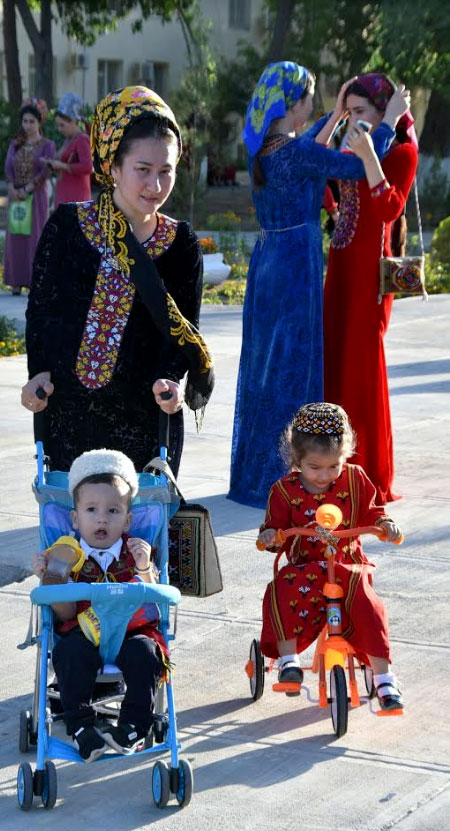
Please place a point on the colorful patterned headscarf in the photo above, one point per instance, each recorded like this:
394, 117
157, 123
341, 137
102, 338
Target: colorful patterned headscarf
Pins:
279, 87
114, 115
321, 419
378, 87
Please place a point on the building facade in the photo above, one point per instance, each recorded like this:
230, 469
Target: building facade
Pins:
156, 56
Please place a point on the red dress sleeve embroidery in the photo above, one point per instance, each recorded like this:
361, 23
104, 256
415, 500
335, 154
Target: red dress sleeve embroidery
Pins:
399, 167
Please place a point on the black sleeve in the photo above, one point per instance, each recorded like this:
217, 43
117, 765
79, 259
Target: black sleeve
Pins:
64, 274
184, 282
43, 313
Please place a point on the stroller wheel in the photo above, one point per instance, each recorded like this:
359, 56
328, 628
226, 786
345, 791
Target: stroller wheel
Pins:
24, 731
50, 787
185, 784
160, 784
25, 786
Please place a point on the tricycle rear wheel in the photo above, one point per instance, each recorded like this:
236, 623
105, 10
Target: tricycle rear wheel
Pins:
257, 678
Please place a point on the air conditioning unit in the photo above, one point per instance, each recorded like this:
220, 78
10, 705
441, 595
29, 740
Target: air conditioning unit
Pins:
79, 60
148, 73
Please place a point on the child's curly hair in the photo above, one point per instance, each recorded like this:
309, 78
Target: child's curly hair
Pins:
320, 427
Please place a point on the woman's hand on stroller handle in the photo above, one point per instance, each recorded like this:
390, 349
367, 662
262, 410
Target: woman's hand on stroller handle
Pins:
168, 395
36, 391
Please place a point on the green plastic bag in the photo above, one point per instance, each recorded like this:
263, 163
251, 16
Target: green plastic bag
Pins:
20, 215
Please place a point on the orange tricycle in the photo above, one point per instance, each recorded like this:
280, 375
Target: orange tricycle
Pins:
333, 653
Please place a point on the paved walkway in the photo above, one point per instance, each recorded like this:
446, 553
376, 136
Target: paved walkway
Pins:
276, 763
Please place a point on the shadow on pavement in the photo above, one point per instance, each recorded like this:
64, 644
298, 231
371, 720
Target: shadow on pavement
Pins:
420, 368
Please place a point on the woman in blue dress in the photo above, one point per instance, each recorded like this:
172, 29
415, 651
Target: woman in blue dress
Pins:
281, 358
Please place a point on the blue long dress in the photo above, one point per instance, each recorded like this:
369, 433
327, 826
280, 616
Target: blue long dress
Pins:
281, 364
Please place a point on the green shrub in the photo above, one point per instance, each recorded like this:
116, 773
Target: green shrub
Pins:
434, 197
437, 276
228, 221
8, 128
10, 342
234, 248
228, 293
440, 244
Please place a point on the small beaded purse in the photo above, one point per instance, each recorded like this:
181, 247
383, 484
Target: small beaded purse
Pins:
404, 275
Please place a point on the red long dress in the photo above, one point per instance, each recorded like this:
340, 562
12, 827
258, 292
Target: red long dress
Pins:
294, 605
354, 323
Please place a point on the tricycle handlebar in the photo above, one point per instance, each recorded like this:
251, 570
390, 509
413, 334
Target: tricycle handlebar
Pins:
281, 535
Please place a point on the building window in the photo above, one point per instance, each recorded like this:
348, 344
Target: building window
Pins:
109, 77
160, 78
239, 14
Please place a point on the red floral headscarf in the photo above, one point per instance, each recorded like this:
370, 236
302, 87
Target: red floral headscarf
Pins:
380, 90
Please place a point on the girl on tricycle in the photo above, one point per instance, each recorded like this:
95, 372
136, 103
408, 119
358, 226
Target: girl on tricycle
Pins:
316, 445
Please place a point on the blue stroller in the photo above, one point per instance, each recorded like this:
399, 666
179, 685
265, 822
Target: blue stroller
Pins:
114, 604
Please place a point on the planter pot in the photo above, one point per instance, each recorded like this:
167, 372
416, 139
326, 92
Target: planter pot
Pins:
215, 270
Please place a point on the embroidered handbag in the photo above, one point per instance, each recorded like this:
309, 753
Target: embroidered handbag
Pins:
404, 275
194, 566
193, 557
20, 216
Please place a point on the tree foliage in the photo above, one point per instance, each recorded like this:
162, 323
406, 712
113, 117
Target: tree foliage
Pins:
87, 19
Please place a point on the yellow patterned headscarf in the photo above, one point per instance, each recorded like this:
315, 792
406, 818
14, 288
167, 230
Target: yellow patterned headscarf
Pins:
125, 266
114, 115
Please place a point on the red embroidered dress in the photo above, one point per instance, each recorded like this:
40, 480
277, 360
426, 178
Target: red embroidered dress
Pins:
354, 322
294, 605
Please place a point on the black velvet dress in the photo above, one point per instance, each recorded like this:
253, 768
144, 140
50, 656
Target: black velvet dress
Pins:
122, 415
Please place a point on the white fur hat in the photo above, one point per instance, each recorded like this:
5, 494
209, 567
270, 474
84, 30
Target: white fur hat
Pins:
103, 461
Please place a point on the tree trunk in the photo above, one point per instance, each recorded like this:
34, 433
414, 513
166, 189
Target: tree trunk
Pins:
11, 54
435, 138
282, 25
44, 62
41, 41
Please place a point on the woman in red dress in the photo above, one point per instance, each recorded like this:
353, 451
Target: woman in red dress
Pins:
354, 322
74, 162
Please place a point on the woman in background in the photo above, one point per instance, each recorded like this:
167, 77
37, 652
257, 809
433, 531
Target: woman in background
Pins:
26, 172
281, 363
74, 162
371, 210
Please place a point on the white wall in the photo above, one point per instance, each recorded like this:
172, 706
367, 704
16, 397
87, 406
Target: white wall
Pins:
157, 42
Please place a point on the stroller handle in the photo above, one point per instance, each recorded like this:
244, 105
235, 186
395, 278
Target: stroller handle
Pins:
107, 593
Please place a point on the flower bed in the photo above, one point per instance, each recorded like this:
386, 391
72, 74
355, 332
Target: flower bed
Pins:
10, 342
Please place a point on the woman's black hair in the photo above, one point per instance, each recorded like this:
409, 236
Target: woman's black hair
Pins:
21, 135
149, 126
258, 178
30, 108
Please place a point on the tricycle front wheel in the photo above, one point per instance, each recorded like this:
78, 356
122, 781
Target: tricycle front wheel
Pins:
338, 700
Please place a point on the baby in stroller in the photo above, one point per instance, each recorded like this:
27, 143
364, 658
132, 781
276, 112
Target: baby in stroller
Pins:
102, 484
